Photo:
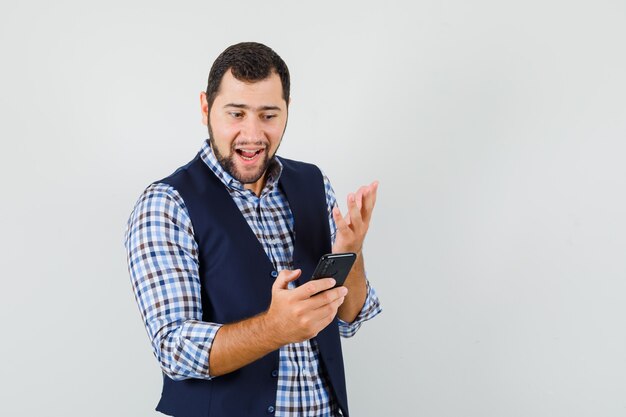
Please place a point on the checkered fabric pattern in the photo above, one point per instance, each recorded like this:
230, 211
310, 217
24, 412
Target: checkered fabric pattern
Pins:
163, 265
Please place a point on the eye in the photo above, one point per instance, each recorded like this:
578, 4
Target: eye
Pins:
268, 116
236, 114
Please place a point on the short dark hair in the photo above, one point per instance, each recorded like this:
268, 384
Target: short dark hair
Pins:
250, 62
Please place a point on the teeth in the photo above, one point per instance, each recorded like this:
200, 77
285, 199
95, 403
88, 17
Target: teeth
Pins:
248, 154
248, 158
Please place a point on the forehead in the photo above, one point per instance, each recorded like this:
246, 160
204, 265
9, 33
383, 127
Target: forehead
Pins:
268, 91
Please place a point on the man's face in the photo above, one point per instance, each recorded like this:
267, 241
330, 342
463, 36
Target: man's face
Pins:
246, 124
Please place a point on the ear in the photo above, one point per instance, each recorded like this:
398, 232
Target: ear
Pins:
204, 108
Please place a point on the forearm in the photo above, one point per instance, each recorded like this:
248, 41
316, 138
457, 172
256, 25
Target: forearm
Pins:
357, 291
371, 308
294, 315
239, 344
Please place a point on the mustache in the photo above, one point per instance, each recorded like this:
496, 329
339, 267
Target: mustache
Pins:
264, 143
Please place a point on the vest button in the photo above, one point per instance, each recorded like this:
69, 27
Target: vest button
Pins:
274, 373
270, 409
274, 274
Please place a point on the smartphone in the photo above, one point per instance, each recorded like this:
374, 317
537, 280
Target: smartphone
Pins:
335, 265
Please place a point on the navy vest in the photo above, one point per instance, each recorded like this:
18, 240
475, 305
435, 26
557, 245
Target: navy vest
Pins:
237, 278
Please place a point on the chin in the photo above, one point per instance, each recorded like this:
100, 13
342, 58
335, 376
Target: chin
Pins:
248, 177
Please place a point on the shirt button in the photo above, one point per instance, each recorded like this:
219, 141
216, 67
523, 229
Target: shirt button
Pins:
274, 274
270, 409
274, 373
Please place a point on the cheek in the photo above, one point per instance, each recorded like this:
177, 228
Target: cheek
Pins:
223, 131
276, 132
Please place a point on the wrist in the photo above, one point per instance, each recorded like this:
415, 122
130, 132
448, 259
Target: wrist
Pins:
270, 330
344, 249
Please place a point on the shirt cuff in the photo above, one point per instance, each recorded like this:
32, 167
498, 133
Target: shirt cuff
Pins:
371, 308
185, 350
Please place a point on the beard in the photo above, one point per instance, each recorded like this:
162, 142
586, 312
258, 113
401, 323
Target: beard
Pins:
229, 165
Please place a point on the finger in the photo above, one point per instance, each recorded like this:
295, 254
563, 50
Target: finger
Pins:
326, 297
346, 219
340, 221
359, 197
370, 201
314, 286
355, 212
327, 312
284, 278
374, 189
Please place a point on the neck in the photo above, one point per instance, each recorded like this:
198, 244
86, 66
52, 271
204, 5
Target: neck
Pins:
257, 187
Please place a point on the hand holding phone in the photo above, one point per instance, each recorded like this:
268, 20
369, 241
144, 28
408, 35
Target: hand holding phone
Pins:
335, 265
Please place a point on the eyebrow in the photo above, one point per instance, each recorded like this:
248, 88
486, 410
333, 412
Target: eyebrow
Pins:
246, 107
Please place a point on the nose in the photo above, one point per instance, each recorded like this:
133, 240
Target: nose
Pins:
252, 130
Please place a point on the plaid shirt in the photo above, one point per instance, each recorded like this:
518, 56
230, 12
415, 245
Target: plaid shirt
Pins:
163, 265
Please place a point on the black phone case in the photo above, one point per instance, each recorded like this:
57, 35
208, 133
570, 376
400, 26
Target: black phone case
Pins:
335, 265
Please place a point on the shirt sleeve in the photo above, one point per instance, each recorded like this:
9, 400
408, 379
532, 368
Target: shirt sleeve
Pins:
371, 306
162, 259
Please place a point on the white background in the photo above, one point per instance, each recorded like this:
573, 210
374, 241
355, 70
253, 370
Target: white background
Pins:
496, 128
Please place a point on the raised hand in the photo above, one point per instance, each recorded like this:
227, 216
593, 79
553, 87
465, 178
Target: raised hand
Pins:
352, 229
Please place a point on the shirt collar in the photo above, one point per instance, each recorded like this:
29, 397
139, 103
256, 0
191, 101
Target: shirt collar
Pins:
273, 171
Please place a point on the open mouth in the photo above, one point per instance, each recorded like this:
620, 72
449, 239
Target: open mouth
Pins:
249, 154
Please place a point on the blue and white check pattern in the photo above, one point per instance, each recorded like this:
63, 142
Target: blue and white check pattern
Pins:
163, 264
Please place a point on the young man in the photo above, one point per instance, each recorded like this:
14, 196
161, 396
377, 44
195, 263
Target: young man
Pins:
221, 253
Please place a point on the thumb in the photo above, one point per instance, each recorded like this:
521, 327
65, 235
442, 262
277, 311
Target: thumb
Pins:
285, 277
